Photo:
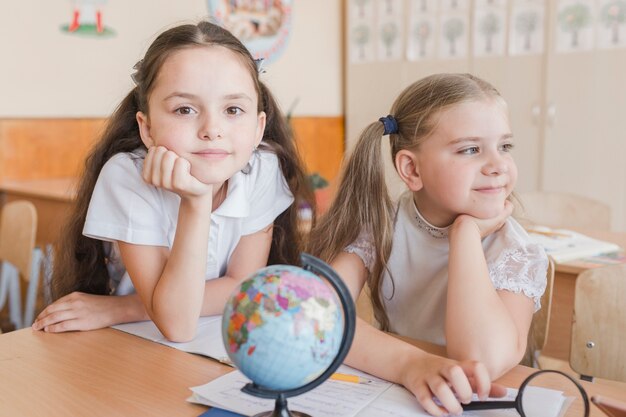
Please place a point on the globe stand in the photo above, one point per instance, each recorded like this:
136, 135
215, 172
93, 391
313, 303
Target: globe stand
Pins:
281, 410
315, 265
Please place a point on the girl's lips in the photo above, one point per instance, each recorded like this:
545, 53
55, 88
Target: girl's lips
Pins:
489, 190
212, 154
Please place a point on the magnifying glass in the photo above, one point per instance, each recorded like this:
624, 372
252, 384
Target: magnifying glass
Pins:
544, 393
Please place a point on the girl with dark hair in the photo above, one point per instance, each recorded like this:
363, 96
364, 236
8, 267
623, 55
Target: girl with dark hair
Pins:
194, 185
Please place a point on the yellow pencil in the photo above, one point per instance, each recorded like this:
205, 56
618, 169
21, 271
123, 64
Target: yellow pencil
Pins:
547, 233
350, 378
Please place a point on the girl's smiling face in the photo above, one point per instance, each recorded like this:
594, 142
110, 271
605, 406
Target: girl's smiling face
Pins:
465, 165
204, 107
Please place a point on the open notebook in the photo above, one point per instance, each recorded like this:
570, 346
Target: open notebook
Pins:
208, 340
333, 398
565, 245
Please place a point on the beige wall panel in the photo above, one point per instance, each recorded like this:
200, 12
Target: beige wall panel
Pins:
48, 73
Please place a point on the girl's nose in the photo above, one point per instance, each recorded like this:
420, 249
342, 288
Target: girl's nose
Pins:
210, 130
496, 164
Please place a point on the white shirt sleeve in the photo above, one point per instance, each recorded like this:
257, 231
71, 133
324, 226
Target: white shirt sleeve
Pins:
123, 207
363, 247
269, 192
515, 264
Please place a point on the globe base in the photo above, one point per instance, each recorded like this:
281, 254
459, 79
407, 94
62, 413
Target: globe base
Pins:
285, 413
281, 410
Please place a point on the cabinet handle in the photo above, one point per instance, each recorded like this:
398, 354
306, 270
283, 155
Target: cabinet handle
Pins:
535, 112
551, 114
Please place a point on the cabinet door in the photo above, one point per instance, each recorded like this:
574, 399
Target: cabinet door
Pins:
585, 139
519, 80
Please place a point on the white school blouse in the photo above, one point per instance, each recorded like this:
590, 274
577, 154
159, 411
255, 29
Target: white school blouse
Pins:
415, 300
124, 207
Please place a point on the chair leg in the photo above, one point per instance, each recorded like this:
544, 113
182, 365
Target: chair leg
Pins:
4, 285
33, 286
12, 276
47, 259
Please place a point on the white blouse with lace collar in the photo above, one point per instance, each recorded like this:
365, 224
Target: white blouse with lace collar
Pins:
415, 299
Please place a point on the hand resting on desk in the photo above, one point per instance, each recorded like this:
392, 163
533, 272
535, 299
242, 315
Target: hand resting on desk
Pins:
80, 311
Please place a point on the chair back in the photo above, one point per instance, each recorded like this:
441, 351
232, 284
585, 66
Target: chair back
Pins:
538, 334
18, 226
564, 211
598, 346
541, 320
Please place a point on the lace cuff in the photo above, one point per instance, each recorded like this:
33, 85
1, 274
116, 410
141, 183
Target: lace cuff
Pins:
521, 269
363, 247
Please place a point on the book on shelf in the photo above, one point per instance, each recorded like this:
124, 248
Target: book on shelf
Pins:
565, 246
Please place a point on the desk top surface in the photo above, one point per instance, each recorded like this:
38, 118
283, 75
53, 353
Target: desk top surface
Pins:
111, 373
62, 189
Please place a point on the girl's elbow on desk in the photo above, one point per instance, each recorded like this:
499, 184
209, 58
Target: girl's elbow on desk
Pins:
498, 360
177, 330
178, 334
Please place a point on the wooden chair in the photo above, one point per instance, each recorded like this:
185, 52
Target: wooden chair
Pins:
564, 210
18, 258
538, 334
599, 325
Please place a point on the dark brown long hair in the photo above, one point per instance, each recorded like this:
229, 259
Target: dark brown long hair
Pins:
364, 202
80, 262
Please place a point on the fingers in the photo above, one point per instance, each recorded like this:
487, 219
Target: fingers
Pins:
56, 316
443, 392
459, 382
425, 397
158, 166
497, 391
181, 172
479, 377
165, 169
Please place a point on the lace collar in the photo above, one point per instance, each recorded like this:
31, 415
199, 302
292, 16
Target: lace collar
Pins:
436, 232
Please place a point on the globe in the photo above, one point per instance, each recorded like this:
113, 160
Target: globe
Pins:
288, 328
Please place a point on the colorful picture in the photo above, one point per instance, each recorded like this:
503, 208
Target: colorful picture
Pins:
575, 30
87, 19
263, 26
612, 24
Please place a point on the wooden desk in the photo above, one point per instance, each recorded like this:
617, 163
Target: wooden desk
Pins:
52, 198
560, 330
111, 373
99, 373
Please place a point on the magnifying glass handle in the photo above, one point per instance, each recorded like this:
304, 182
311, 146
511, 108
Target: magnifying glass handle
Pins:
488, 405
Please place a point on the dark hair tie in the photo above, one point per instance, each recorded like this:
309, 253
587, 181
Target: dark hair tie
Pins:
390, 124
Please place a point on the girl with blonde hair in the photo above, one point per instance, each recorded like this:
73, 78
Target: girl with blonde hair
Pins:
446, 263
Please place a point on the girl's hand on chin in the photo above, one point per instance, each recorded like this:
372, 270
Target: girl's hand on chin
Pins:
165, 169
486, 226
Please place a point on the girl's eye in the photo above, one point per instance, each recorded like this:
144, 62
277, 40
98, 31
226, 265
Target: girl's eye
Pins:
234, 111
185, 110
508, 147
470, 151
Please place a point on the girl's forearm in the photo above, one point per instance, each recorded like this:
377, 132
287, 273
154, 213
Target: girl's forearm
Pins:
478, 324
216, 293
178, 295
127, 309
391, 363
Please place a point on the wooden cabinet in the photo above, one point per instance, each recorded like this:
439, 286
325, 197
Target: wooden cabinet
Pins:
567, 111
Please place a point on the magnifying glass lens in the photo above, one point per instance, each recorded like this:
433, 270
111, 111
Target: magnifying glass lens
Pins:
550, 394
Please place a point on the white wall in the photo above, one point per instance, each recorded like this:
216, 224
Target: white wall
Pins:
47, 73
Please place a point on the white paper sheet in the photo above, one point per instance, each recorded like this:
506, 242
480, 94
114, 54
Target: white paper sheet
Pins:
331, 399
208, 340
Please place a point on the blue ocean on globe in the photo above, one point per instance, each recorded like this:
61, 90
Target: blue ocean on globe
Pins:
283, 327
